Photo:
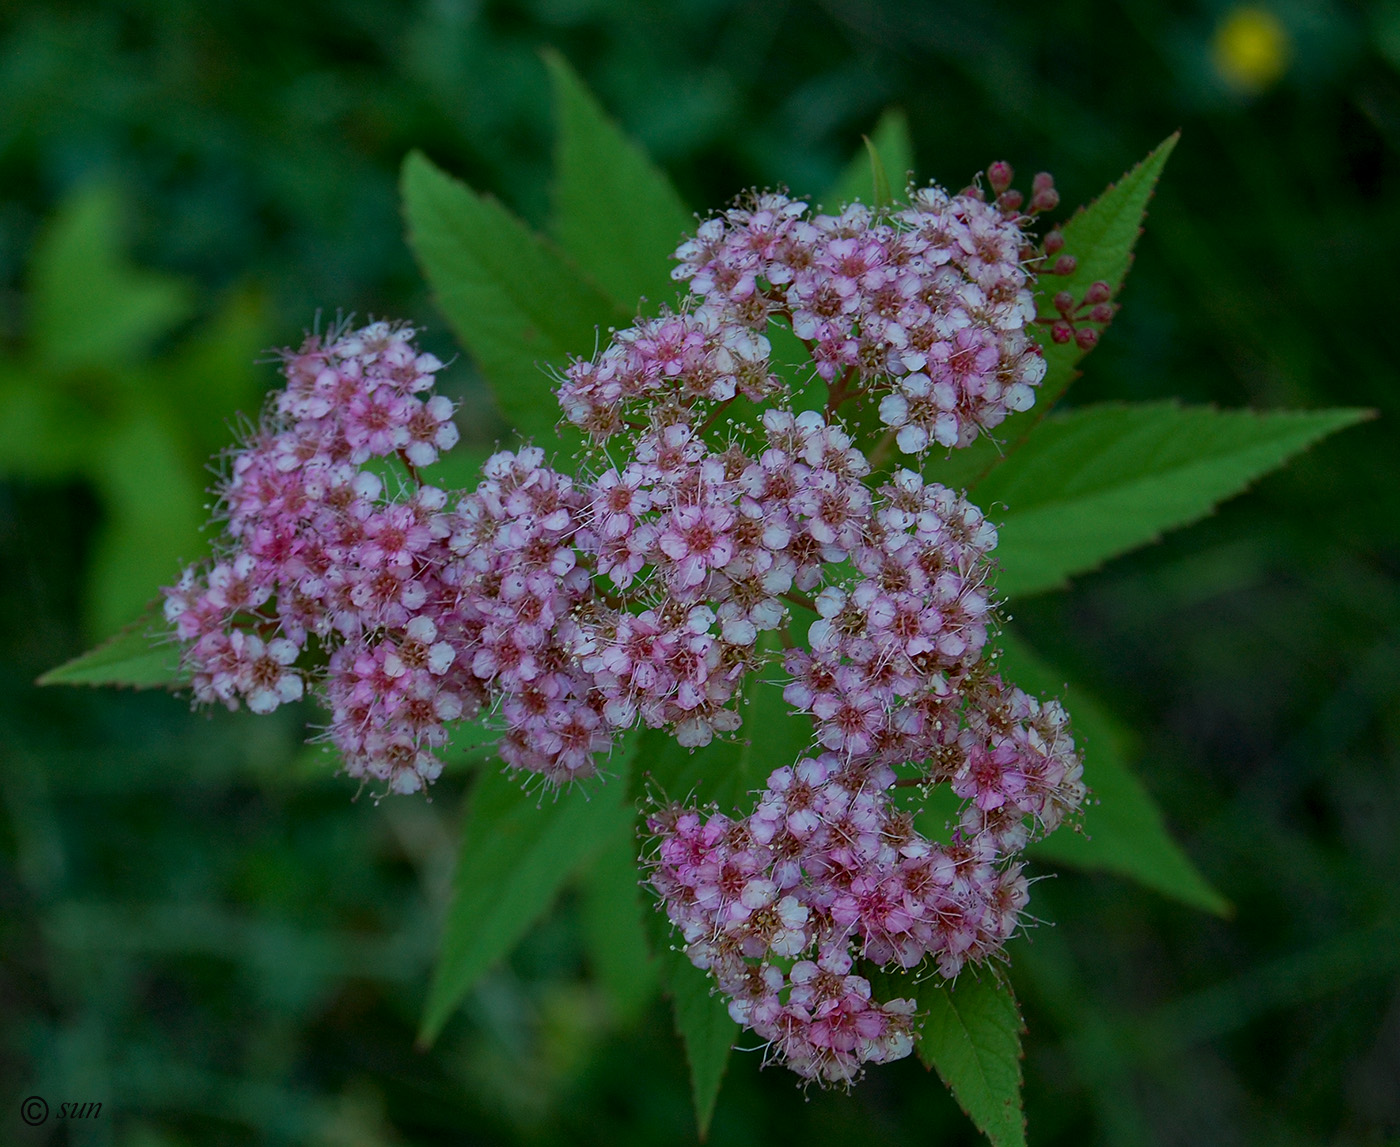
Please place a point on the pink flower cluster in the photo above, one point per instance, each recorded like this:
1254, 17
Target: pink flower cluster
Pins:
892, 643
315, 547
926, 305
829, 869
647, 587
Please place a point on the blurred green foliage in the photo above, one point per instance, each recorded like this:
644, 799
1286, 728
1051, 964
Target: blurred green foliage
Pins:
202, 930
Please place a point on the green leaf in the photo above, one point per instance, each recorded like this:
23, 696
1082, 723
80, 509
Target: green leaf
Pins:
513, 300
702, 1019
90, 306
45, 432
613, 927
1123, 830
706, 1029
518, 851
153, 505
133, 657
723, 772
882, 197
1101, 237
1101, 481
888, 153
214, 376
616, 213
972, 1036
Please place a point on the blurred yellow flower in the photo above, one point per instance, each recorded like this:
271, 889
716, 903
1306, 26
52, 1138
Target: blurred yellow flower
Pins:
1250, 48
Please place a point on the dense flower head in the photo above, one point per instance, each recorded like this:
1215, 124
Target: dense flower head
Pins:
923, 308
719, 523
829, 869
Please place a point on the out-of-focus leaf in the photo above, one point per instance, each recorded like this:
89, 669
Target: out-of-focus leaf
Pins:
515, 303
613, 926
133, 657
1101, 481
972, 1036
888, 155
1123, 830
1101, 237
89, 306
616, 213
518, 851
45, 432
154, 511
214, 376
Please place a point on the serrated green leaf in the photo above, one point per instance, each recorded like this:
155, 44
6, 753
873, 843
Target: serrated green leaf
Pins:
723, 772
1101, 237
706, 1029
613, 928
971, 1036
616, 213
89, 306
1123, 830
518, 851
888, 152
133, 657
512, 300
1101, 481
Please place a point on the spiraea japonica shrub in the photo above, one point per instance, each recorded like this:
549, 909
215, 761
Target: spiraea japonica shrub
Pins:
736, 603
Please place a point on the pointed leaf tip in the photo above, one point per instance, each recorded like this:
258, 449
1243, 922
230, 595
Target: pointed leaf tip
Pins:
617, 215
972, 1036
133, 657
512, 299
1105, 479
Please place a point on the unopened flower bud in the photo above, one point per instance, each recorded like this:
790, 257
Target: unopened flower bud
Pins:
1064, 265
1000, 175
1086, 337
1099, 292
1062, 332
1102, 313
1064, 302
1054, 242
1046, 200
1010, 201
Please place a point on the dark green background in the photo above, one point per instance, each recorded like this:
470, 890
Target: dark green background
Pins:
218, 944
